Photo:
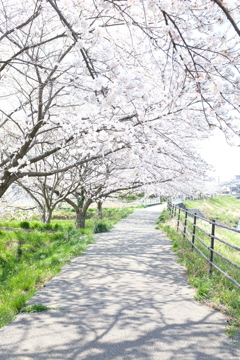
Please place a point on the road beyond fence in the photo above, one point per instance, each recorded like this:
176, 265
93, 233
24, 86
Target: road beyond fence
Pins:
125, 298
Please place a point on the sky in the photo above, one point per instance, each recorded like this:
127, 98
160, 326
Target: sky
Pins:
224, 158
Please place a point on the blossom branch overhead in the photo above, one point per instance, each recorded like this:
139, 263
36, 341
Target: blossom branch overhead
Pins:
94, 78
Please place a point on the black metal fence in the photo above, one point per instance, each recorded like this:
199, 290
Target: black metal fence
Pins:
207, 242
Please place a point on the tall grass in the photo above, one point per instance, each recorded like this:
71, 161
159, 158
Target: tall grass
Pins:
28, 260
215, 290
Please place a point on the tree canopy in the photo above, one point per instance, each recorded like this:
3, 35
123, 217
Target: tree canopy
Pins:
134, 79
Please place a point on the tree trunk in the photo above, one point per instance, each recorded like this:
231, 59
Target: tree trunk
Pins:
46, 215
99, 206
80, 219
49, 216
43, 211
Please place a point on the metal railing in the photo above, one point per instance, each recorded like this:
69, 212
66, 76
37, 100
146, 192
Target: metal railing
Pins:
151, 201
205, 241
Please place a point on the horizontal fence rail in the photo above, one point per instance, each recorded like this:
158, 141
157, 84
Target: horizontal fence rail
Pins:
151, 201
202, 235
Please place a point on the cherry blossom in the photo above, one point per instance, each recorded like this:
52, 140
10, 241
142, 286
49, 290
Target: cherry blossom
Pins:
94, 79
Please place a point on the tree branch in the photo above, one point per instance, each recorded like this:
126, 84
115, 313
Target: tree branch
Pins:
228, 15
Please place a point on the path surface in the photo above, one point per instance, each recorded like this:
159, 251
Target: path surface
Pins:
125, 298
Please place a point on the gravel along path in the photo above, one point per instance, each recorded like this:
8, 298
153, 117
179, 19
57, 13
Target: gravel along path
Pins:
125, 298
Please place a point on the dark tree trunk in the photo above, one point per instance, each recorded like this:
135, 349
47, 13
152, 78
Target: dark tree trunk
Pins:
81, 210
99, 206
80, 219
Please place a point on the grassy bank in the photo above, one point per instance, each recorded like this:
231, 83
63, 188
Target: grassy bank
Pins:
65, 219
28, 259
216, 291
223, 208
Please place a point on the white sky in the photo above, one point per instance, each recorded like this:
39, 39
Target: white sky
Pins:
224, 158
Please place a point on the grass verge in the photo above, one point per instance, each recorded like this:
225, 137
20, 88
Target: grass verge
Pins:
28, 260
225, 209
216, 291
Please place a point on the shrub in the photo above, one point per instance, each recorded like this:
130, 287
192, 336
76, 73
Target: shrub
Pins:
101, 226
24, 225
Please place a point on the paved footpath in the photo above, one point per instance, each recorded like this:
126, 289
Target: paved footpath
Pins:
125, 298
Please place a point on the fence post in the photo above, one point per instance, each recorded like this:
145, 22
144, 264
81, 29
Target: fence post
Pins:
175, 211
171, 209
212, 246
194, 228
185, 224
178, 220
168, 206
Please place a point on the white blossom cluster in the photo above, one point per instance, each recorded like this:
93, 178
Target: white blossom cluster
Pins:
135, 82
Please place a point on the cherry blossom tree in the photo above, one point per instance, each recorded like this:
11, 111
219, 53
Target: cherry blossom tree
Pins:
39, 82
95, 77
48, 192
98, 181
125, 170
197, 42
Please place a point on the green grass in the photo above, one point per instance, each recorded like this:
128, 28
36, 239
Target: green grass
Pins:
165, 216
34, 308
216, 290
226, 209
110, 215
28, 259
35, 225
101, 226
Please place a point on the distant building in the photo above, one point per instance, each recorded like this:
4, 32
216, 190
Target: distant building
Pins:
234, 185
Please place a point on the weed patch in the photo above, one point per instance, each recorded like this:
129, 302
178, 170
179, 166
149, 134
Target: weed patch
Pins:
163, 217
101, 226
35, 308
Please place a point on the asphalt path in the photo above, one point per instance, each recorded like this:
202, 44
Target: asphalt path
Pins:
125, 298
